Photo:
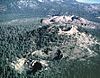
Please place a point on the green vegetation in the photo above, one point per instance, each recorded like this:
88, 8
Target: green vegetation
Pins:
21, 34
18, 40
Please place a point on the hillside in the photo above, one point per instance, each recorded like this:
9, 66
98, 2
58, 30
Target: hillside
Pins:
37, 50
43, 8
49, 39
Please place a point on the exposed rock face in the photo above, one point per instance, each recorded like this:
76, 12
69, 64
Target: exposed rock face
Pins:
29, 66
74, 20
64, 20
18, 65
72, 31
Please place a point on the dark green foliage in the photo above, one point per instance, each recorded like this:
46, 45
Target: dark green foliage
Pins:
17, 41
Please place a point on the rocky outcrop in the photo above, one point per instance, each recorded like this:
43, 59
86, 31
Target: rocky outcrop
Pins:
73, 20
72, 31
64, 20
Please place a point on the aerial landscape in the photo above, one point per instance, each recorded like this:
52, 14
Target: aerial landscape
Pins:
49, 39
